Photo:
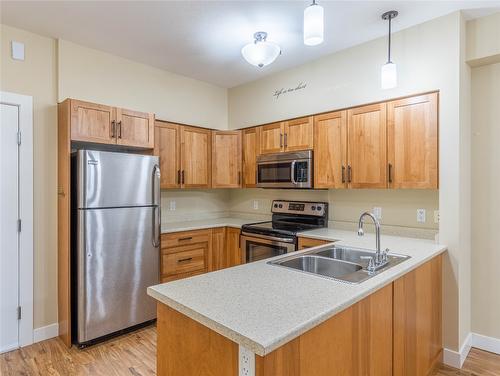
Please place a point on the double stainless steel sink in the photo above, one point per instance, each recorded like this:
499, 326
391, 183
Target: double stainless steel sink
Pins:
346, 264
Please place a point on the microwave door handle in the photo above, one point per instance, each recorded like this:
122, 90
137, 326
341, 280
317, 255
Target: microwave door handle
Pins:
292, 172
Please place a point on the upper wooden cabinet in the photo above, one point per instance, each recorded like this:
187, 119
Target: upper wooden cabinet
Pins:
251, 149
290, 135
226, 159
134, 128
330, 150
97, 123
185, 155
271, 138
92, 122
412, 142
168, 148
367, 147
298, 134
196, 157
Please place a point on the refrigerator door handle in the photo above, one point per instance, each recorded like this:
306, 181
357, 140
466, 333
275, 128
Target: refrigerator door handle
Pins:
156, 209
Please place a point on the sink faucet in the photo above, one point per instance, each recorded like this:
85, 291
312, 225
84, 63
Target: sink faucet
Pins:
378, 255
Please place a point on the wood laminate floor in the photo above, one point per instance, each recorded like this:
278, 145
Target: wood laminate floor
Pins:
134, 354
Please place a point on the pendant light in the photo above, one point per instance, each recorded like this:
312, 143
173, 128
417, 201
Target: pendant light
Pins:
313, 24
261, 52
389, 75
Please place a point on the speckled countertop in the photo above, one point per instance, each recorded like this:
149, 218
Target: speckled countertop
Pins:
204, 223
262, 307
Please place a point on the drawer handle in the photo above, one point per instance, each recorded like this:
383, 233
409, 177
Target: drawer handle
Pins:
186, 238
185, 259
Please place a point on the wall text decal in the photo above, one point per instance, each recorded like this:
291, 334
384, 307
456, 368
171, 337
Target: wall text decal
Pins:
283, 91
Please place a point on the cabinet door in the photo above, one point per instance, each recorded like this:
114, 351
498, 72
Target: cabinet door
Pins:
216, 257
226, 159
330, 150
417, 319
92, 122
298, 134
271, 138
367, 148
234, 256
196, 157
167, 148
413, 142
135, 128
251, 149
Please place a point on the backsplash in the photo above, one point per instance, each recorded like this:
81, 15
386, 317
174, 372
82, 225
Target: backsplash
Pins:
399, 207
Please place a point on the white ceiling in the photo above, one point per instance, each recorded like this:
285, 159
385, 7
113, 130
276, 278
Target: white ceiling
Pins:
203, 39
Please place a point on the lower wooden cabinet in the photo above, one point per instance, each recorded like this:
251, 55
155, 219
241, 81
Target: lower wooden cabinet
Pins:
310, 242
188, 253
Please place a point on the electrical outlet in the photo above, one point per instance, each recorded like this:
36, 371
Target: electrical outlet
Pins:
255, 205
171, 205
436, 216
377, 212
421, 215
246, 362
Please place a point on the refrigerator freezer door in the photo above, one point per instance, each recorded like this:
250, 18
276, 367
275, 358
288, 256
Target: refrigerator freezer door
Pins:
108, 179
116, 263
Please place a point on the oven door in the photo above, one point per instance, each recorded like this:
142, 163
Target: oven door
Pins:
258, 247
295, 173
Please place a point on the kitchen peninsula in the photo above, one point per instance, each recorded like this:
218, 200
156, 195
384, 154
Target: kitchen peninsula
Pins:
259, 319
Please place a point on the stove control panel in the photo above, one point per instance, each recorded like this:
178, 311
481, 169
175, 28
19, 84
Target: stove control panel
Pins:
316, 209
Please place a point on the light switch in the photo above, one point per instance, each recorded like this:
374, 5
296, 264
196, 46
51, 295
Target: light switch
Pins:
17, 50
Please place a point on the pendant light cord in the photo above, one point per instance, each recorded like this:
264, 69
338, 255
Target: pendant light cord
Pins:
389, 49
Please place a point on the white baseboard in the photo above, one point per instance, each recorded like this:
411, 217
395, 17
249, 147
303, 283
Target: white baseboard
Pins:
45, 332
485, 343
456, 359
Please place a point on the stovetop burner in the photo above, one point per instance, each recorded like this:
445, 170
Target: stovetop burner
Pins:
291, 217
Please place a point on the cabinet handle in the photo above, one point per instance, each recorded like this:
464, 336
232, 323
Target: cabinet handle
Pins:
182, 177
185, 259
390, 173
343, 174
113, 129
178, 176
186, 238
286, 139
349, 173
281, 140
239, 177
119, 129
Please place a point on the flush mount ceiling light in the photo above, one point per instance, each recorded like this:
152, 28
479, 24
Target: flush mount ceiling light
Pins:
389, 74
313, 24
261, 52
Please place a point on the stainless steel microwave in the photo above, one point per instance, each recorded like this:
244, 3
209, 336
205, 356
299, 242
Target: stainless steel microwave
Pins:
285, 170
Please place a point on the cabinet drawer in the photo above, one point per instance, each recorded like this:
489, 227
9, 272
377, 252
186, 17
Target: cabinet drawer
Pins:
310, 242
184, 238
170, 278
184, 262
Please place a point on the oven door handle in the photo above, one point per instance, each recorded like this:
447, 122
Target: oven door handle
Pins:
292, 172
267, 237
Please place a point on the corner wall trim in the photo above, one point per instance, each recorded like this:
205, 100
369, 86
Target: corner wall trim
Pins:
45, 332
456, 359
485, 343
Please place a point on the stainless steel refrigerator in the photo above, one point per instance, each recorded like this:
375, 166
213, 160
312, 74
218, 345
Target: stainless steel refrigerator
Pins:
117, 241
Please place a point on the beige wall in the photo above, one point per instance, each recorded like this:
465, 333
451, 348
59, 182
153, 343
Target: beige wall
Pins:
399, 207
193, 204
429, 58
36, 76
483, 40
97, 76
485, 200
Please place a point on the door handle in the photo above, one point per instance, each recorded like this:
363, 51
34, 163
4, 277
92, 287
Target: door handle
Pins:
239, 178
119, 124
286, 139
182, 177
292, 172
185, 259
343, 174
186, 238
281, 140
178, 176
113, 129
349, 174
156, 226
390, 172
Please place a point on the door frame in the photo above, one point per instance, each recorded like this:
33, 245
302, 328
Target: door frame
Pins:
25, 106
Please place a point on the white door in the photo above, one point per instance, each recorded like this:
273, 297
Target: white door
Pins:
9, 235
